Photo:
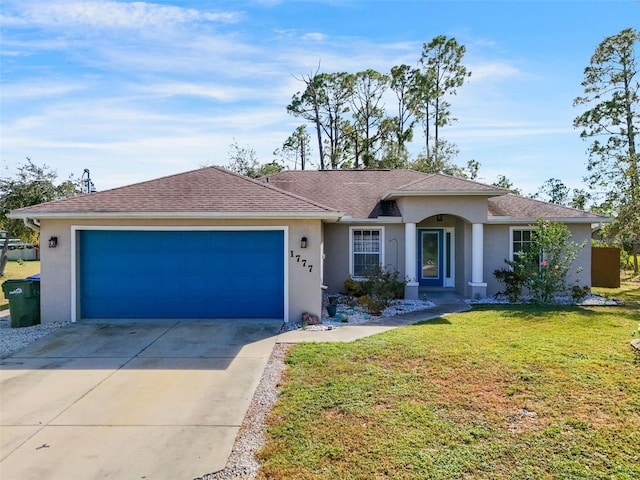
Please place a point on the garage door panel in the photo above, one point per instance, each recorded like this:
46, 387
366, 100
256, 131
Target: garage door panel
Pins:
181, 274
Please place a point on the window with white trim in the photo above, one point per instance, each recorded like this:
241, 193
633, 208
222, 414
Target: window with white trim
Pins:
366, 250
521, 243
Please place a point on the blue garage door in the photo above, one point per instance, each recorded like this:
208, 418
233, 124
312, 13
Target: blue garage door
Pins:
181, 274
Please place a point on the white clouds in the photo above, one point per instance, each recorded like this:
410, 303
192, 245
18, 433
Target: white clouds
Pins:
493, 71
314, 36
38, 90
134, 90
107, 14
223, 93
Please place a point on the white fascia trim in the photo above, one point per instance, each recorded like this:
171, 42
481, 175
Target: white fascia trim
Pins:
347, 219
183, 215
532, 221
74, 252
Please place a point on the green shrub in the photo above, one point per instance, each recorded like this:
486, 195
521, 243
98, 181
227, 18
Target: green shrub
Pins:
514, 279
542, 270
553, 240
353, 287
579, 293
374, 306
382, 287
383, 283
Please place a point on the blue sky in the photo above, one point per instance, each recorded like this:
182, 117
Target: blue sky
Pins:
137, 90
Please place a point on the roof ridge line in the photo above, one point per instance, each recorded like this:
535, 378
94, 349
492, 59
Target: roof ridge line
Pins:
424, 174
276, 189
118, 188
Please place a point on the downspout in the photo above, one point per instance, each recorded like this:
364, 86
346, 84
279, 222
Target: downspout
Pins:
32, 224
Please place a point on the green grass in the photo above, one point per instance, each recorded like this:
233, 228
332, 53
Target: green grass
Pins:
17, 270
520, 392
628, 291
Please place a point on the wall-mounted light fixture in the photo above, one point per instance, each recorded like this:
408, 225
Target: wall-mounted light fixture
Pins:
303, 242
438, 218
53, 242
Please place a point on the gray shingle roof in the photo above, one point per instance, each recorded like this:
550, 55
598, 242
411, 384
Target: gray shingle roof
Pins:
357, 193
517, 207
207, 191
217, 192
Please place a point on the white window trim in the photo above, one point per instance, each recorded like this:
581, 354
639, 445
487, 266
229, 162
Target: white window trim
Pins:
511, 230
382, 243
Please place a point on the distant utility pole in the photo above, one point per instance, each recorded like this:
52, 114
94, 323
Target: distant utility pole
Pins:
87, 185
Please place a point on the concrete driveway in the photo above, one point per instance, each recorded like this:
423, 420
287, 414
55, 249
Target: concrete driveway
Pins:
154, 400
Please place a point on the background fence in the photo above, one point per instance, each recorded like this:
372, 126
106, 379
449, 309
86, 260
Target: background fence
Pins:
605, 267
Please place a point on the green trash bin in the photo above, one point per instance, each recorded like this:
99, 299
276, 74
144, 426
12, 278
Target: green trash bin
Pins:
24, 301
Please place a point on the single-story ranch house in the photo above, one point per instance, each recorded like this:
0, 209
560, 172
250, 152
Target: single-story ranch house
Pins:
210, 243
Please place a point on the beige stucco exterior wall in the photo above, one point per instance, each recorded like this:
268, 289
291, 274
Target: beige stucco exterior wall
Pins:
337, 249
497, 236
496, 249
473, 209
304, 287
336, 256
579, 234
394, 248
497, 240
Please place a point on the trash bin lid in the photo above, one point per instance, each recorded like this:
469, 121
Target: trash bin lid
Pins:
21, 288
35, 276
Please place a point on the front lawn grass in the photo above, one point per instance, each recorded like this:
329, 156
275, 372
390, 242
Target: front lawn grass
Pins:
500, 392
629, 291
16, 270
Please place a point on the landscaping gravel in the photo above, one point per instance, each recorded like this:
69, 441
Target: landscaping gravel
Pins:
590, 300
13, 339
351, 313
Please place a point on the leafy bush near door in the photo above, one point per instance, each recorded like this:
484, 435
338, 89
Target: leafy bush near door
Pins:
377, 290
544, 269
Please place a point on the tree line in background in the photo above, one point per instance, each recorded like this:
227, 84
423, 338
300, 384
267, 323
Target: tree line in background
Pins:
610, 123
352, 124
353, 130
31, 185
349, 115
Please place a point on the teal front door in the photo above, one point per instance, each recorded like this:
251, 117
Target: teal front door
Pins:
431, 257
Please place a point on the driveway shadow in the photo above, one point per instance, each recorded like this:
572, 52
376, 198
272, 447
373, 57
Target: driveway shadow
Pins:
180, 344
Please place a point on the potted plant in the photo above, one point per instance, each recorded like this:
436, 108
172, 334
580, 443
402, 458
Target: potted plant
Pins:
332, 306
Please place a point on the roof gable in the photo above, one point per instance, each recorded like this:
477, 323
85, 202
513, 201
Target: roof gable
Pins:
441, 184
207, 191
371, 193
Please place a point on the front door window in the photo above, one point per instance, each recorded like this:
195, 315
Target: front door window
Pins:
430, 255
431, 261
